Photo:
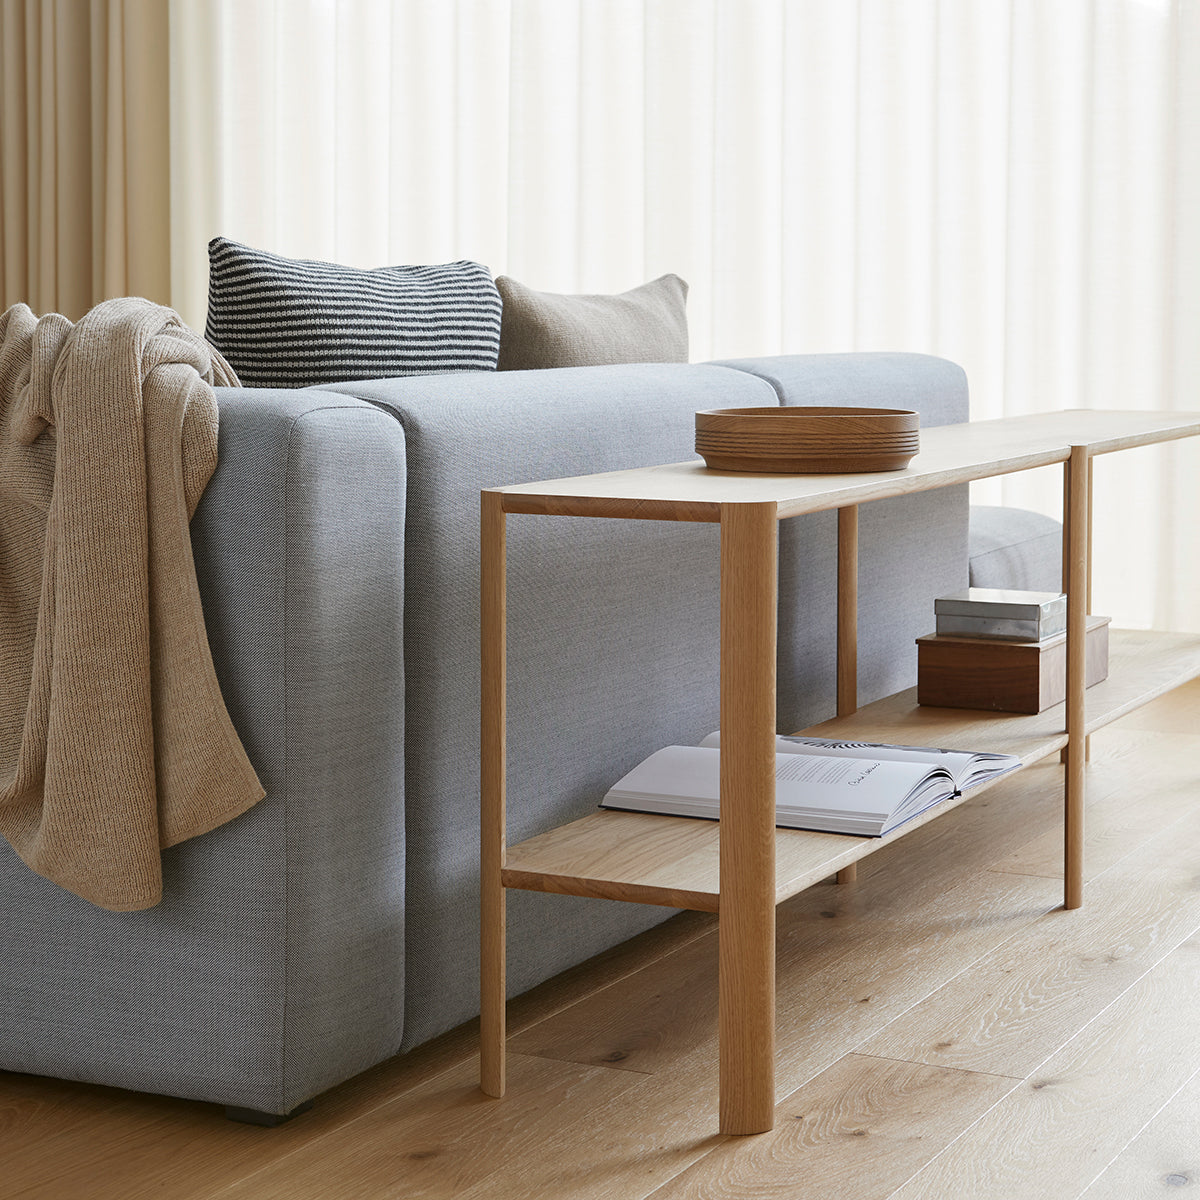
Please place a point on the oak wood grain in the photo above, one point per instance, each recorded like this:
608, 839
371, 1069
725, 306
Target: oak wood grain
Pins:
1122, 811
1010, 1009
1078, 470
835, 987
1175, 712
915, 913
637, 509
1058, 1130
746, 831
848, 1132
442, 1138
847, 612
622, 1149
625, 1151
1164, 1158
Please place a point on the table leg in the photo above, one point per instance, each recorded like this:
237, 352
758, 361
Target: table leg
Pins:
492, 800
847, 631
1078, 469
1087, 742
749, 557
847, 612
1066, 555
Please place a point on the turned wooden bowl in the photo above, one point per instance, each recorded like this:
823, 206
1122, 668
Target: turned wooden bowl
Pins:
807, 441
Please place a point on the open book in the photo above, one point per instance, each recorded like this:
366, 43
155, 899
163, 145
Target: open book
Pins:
837, 787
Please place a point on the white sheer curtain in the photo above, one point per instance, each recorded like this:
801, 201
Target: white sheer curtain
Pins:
1015, 186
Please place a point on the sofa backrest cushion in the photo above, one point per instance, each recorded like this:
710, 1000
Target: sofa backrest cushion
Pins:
612, 643
934, 387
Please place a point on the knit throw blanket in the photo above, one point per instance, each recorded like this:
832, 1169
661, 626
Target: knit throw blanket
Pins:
114, 738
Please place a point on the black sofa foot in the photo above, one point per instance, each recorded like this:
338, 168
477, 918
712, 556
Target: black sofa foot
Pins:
252, 1116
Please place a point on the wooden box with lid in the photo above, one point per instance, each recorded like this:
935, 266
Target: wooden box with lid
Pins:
1004, 676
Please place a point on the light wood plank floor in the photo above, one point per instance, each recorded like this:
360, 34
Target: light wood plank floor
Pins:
946, 1031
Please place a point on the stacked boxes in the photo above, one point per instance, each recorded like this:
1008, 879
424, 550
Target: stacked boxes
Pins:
1004, 651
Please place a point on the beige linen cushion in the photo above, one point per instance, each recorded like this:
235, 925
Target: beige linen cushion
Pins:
546, 329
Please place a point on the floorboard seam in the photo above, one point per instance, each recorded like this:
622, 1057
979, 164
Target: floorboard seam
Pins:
1137, 1134
916, 1062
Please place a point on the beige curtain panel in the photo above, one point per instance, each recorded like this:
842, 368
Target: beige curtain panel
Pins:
84, 153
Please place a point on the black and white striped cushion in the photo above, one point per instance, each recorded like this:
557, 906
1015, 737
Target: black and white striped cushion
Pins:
284, 322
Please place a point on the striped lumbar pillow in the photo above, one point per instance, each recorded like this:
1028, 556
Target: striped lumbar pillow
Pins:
284, 322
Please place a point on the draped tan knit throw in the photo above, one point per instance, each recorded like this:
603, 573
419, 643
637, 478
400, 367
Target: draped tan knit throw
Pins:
114, 737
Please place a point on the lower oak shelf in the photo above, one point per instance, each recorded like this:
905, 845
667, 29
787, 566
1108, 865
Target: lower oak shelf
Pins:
648, 859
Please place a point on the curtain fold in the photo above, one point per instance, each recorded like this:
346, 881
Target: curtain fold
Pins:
84, 159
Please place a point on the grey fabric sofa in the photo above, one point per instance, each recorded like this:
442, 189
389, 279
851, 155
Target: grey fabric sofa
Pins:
1015, 548
336, 923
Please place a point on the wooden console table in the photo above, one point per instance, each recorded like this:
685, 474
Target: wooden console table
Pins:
742, 866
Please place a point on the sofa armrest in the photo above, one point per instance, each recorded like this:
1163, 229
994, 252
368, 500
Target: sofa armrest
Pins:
299, 546
273, 967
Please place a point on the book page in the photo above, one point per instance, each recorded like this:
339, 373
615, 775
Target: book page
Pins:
831, 784
967, 768
956, 762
